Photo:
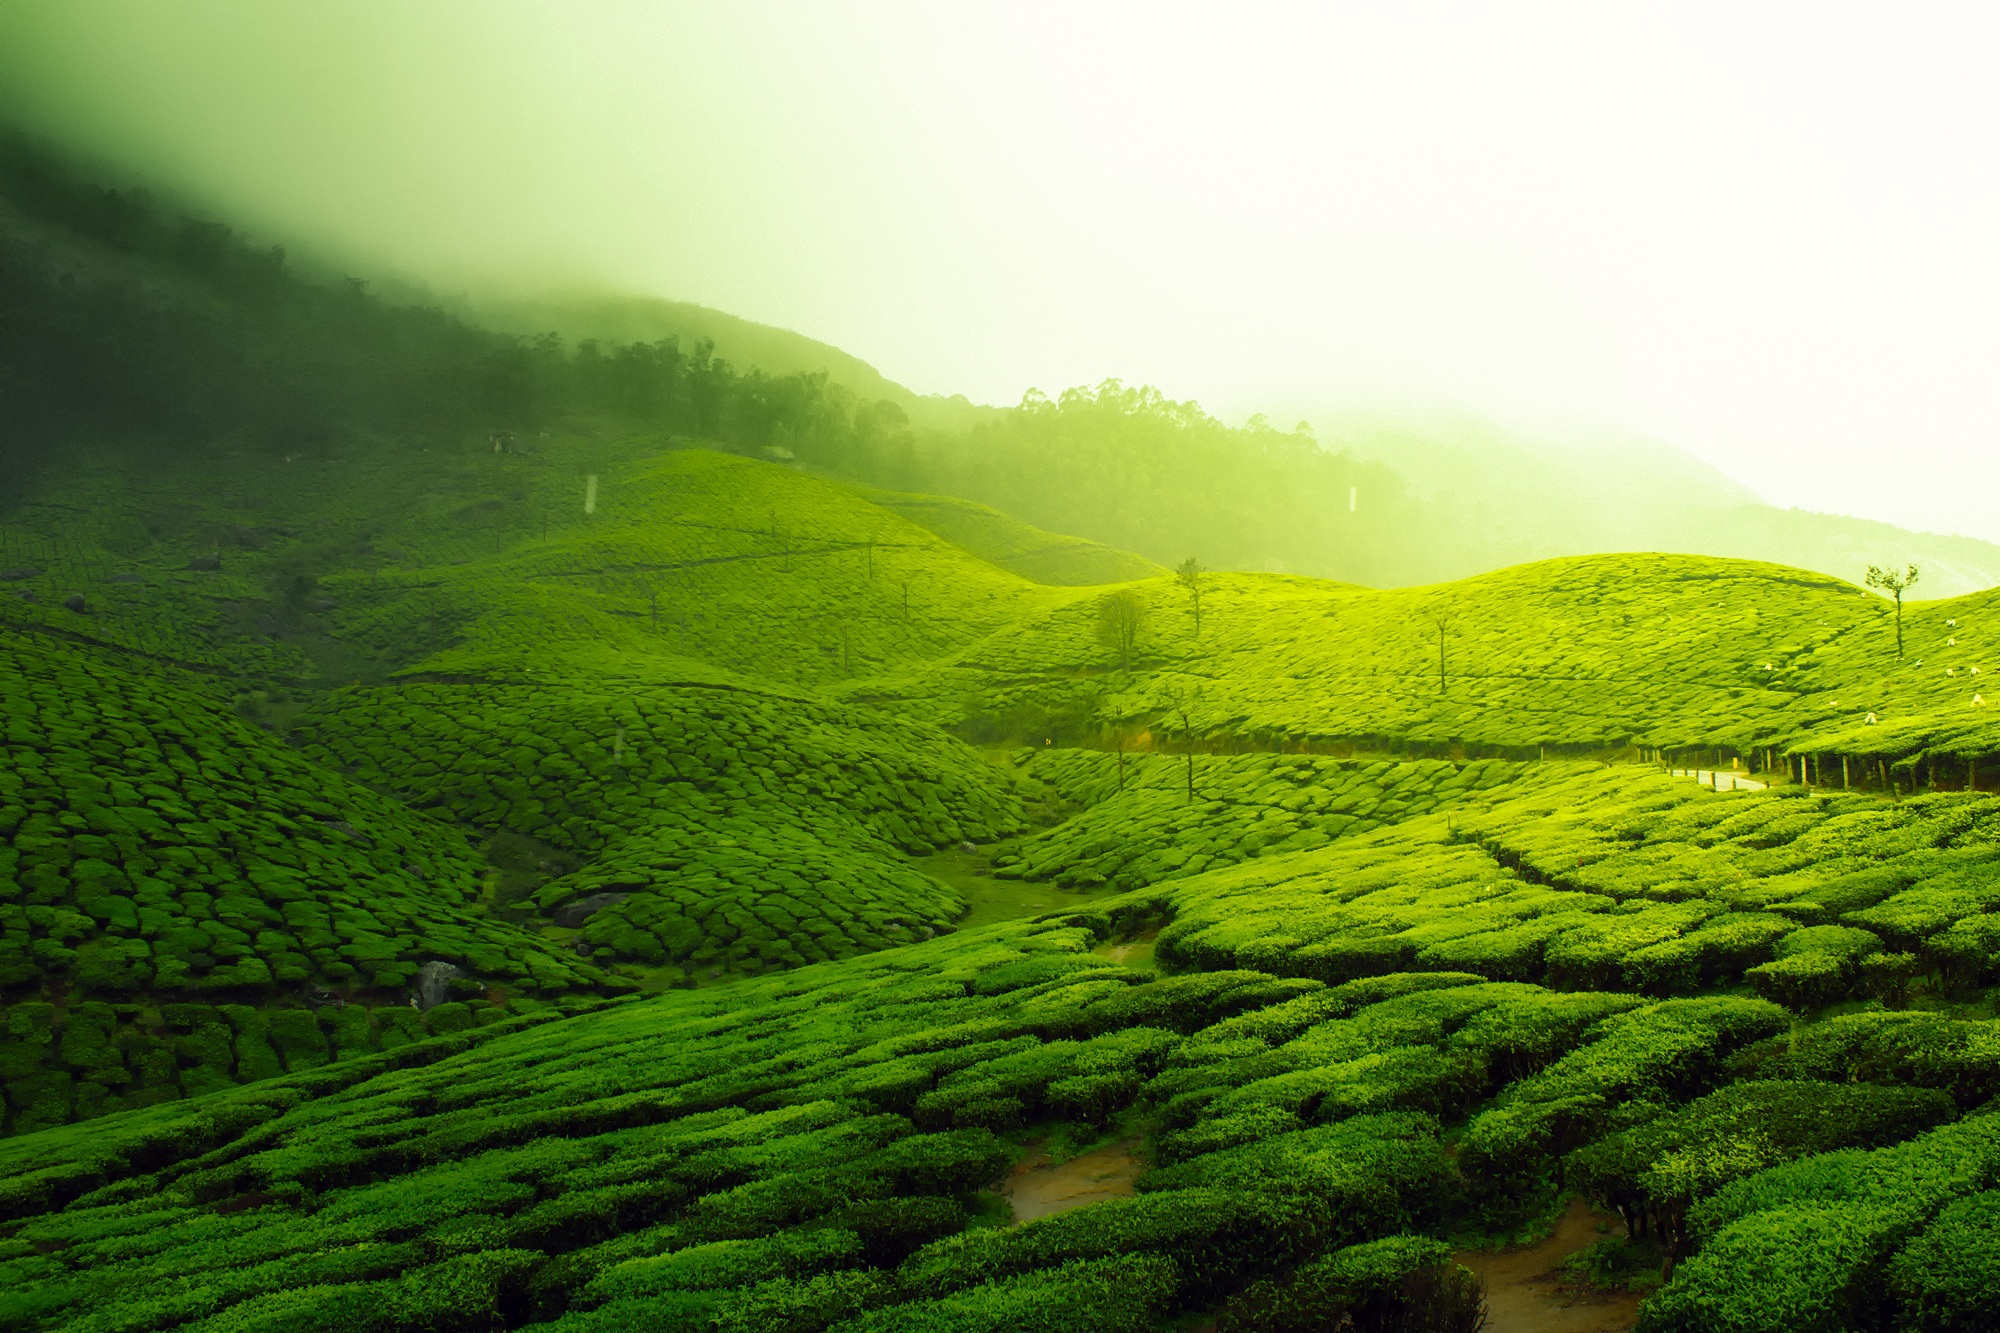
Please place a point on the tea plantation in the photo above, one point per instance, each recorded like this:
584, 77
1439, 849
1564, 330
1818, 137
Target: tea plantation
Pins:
530, 888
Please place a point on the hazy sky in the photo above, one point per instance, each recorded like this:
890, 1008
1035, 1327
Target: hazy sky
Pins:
1766, 233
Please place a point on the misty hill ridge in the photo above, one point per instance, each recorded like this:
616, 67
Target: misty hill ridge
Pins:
1468, 495
216, 339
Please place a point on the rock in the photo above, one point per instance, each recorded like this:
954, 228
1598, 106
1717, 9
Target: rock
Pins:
583, 948
349, 832
75, 602
16, 575
571, 915
967, 847
434, 984
209, 562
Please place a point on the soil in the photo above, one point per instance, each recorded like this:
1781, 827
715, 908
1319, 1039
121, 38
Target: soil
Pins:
1038, 1188
1525, 1293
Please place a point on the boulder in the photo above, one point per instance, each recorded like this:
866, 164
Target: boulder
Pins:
433, 986
571, 915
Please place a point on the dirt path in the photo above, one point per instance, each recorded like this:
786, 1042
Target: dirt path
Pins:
1525, 1295
1037, 1189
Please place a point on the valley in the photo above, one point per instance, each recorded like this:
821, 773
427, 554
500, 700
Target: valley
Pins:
508, 835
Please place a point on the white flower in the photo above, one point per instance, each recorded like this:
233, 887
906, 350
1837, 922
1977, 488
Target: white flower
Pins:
1952, 623
1951, 642
1951, 671
1979, 701
1871, 719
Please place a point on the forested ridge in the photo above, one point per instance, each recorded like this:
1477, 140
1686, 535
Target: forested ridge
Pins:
503, 833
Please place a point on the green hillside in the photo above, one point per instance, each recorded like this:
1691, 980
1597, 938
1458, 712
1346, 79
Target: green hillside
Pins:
503, 835
1042, 557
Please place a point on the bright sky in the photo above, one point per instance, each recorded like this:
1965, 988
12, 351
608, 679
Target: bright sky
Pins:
1766, 233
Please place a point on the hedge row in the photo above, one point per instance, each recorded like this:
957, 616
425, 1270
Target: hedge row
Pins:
156, 845
1247, 806
751, 830
75, 1062
1624, 879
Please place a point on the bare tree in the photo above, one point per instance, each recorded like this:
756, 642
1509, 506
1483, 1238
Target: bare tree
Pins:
1191, 575
1181, 702
1442, 621
1889, 581
1119, 618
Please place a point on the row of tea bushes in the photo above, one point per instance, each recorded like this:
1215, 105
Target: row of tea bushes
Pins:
1591, 651
1144, 830
73, 1062
785, 1152
1654, 1172
752, 830
1807, 1245
157, 844
1622, 878
1959, 1057
804, 1151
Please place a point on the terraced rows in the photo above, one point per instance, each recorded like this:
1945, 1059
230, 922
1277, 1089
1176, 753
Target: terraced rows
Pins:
1140, 828
1597, 653
749, 830
806, 1152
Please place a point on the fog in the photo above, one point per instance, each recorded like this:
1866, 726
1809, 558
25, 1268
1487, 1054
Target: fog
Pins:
1762, 234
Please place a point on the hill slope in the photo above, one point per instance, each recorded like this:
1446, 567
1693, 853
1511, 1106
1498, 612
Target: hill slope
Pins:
510, 858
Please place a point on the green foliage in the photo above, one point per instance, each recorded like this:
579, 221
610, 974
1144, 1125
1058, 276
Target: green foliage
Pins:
1654, 1172
1251, 805
750, 830
1947, 1280
1803, 1246
1396, 1283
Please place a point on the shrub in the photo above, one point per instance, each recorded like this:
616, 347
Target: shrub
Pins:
1947, 1280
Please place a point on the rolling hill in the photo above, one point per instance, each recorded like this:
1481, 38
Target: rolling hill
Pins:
585, 869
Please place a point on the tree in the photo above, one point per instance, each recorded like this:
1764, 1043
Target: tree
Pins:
1442, 620
1190, 574
1181, 701
1119, 618
1889, 581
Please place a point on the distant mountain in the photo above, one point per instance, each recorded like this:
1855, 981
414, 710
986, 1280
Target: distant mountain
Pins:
1501, 498
129, 321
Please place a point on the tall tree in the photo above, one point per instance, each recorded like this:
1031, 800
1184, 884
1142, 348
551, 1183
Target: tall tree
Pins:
1119, 618
1191, 576
1889, 581
1181, 702
1441, 620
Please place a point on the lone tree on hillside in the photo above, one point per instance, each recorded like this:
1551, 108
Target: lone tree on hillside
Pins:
1181, 701
1119, 618
1889, 581
1442, 620
1190, 573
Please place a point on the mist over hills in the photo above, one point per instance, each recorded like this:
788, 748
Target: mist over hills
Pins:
1467, 494
656, 832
